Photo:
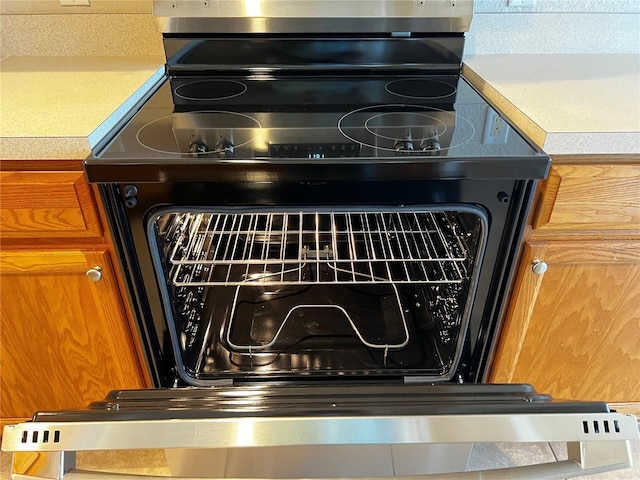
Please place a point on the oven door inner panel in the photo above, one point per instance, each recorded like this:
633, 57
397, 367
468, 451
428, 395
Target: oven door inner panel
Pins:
310, 292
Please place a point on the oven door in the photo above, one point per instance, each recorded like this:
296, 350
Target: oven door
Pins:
326, 431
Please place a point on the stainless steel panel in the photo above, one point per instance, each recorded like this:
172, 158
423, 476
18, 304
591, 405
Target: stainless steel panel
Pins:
314, 461
584, 458
43, 465
314, 25
300, 16
347, 430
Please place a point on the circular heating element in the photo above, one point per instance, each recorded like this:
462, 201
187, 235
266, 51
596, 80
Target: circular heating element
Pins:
210, 90
420, 88
212, 131
402, 128
386, 124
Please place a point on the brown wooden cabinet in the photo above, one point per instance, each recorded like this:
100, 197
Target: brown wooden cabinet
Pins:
66, 338
574, 330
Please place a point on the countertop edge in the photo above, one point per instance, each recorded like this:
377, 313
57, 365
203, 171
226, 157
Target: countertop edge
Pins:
44, 148
592, 143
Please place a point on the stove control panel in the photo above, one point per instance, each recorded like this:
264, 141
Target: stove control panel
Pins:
308, 150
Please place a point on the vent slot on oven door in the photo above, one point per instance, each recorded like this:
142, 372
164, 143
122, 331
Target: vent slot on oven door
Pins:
317, 292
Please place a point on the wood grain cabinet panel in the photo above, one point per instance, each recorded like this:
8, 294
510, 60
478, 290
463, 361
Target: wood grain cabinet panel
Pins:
47, 204
574, 331
583, 198
65, 340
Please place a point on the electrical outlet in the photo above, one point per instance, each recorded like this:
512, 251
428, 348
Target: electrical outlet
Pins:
75, 3
496, 129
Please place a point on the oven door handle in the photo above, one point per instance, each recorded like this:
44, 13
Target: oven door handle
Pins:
584, 458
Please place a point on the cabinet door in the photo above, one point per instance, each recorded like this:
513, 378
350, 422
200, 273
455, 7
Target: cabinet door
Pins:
65, 340
574, 330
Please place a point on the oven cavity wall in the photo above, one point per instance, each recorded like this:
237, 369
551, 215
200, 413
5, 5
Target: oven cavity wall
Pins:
340, 291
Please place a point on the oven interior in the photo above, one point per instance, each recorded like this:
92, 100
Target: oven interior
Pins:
312, 292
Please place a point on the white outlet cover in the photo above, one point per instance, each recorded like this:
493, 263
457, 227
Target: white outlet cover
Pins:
492, 138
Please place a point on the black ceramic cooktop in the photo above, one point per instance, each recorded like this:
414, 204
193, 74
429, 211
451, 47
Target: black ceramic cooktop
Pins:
261, 117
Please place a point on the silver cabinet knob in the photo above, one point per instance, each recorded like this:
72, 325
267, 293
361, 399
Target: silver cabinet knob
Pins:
94, 274
539, 267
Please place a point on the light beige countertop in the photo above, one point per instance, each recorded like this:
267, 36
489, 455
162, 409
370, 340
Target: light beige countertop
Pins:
58, 107
566, 104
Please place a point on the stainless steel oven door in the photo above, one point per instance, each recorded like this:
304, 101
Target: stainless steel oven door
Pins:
329, 431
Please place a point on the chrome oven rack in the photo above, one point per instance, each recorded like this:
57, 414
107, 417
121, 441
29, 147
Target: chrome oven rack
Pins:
303, 248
